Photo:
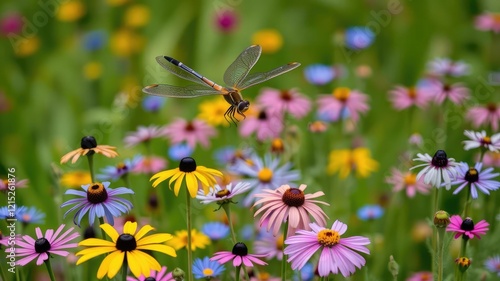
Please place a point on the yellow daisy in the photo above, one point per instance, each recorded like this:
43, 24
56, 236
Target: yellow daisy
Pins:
75, 179
128, 247
193, 175
180, 240
269, 39
212, 112
88, 146
358, 159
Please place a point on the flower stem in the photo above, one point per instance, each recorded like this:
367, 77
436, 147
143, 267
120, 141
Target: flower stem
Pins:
49, 269
468, 201
283, 261
229, 221
101, 221
124, 270
440, 250
2, 272
91, 166
237, 273
189, 251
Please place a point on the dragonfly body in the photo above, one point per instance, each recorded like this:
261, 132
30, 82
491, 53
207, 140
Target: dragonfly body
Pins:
236, 78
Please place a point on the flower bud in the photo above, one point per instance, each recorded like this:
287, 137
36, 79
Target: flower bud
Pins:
178, 274
393, 267
463, 263
441, 219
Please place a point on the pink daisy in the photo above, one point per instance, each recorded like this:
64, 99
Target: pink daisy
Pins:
285, 101
456, 93
142, 135
445, 66
239, 255
491, 159
161, 275
150, 165
407, 181
466, 228
337, 254
343, 100
484, 115
403, 98
266, 125
191, 132
289, 204
488, 22
5, 185
270, 245
421, 276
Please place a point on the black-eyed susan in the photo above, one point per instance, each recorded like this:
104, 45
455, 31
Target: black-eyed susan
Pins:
127, 247
180, 240
193, 174
88, 146
358, 159
75, 179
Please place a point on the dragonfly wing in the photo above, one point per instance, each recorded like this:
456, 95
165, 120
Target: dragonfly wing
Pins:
256, 78
239, 69
179, 72
190, 91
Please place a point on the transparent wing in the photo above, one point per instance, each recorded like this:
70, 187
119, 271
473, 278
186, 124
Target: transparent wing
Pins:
179, 72
256, 78
239, 69
190, 91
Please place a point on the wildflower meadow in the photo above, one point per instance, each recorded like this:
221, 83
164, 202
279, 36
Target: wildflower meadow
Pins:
250, 140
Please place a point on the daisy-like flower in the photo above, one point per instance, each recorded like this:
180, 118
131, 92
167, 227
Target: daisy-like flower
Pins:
212, 112
150, 164
266, 125
480, 139
488, 114
206, 269
491, 159
142, 135
289, 204
215, 230
407, 181
402, 97
493, 264
30, 215
52, 243
370, 212
488, 22
153, 103
193, 174
88, 146
239, 255
357, 159
358, 37
269, 245
222, 195
421, 276
264, 174
466, 228
154, 275
285, 101
191, 132
129, 246
447, 67
319, 74
337, 253
440, 91
120, 170
438, 168
99, 201
5, 185
476, 179
180, 240
178, 151
343, 100
75, 179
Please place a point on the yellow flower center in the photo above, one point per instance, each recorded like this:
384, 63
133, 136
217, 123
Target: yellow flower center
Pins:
279, 242
486, 140
249, 162
328, 237
221, 193
208, 272
277, 145
342, 93
410, 179
263, 276
26, 217
412, 93
265, 175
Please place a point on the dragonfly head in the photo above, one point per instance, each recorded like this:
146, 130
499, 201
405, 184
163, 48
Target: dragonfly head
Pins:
243, 106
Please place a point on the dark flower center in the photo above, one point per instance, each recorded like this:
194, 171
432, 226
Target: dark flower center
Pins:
122, 167
491, 107
286, 96
221, 193
412, 93
126, 243
42, 245
89, 233
486, 140
293, 197
472, 175
153, 201
240, 249
187, 165
467, 225
446, 88
150, 279
189, 127
262, 115
440, 159
96, 193
88, 142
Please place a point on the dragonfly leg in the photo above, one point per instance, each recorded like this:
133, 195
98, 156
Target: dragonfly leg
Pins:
230, 113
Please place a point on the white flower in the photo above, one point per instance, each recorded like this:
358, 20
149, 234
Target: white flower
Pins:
222, 194
438, 168
480, 139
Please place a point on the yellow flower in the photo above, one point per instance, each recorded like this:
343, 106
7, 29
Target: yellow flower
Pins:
269, 39
75, 179
137, 16
127, 246
71, 11
180, 240
92, 70
27, 46
358, 159
88, 146
212, 112
192, 173
126, 42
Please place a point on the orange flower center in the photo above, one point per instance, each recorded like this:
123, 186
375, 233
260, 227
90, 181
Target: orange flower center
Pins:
286, 96
410, 179
328, 237
96, 193
208, 272
279, 242
412, 93
265, 175
342, 94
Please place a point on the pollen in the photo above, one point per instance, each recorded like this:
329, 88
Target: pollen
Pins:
279, 242
221, 193
342, 93
328, 237
96, 193
486, 140
208, 272
265, 175
410, 179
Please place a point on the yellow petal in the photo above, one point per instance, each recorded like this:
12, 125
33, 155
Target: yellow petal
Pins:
110, 231
151, 262
96, 242
90, 253
115, 264
134, 264
192, 184
163, 175
201, 177
143, 231
213, 172
178, 183
104, 267
130, 227
174, 178
154, 239
159, 248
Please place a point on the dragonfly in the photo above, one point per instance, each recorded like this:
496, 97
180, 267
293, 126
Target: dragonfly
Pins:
236, 77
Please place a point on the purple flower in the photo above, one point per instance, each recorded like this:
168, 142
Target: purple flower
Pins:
370, 212
466, 228
122, 169
358, 38
239, 255
142, 135
493, 264
476, 179
178, 151
486, 114
153, 103
319, 74
480, 139
341, 100
447, 67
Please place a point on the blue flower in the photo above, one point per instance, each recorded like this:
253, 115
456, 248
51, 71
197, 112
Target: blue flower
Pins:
306, 273
358, 37
179, 151
114, 173
247, 232
493, 264
224, 155
29, 215
153, 103
205, 268
370, 212
215, 230
319, 74
94, 40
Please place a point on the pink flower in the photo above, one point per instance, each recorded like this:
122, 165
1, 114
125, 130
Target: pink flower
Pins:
161, 275
226, 20
289, 204
421, 276
466, 228
456, 93
239, 255
270, 245
150, 165
484, 115
445, 66
488, 22
491, 159
407, 181
11, 24
142, 135
286, 101
403, 98
191, 132
266, 125
4, 184
343, 100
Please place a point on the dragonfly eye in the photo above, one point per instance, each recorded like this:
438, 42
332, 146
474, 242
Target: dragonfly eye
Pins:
243, 106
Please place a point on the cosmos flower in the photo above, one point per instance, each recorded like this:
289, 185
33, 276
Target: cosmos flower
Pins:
269, 39
4, 184
212, 112
89, 147
285, 101
476, 179
226, 20
266, 125
99, 201
447, 67
343, 100
122, 169
222, 195
194, 175
289, 204
437, 169
142, 135
493, 264
129, 246
269, 245
215, 230
440, 91
206, 269
358, 37
178, 151
180, 240
161, 275
191, 132
41, 248
480, 139
488, 22
338, 254
370, 212
421, 276
150, 165
319, 74
403, 98
466, 228
407, 181
488, 114
357, 159
239, 255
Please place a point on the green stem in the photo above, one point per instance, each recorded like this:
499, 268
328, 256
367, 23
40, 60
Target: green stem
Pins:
91, 166
101, 221
440, 250
2, 273
189, 251
237, 269
434, 231
283, 261
229, 221
124, 270
468, 201
49, 269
